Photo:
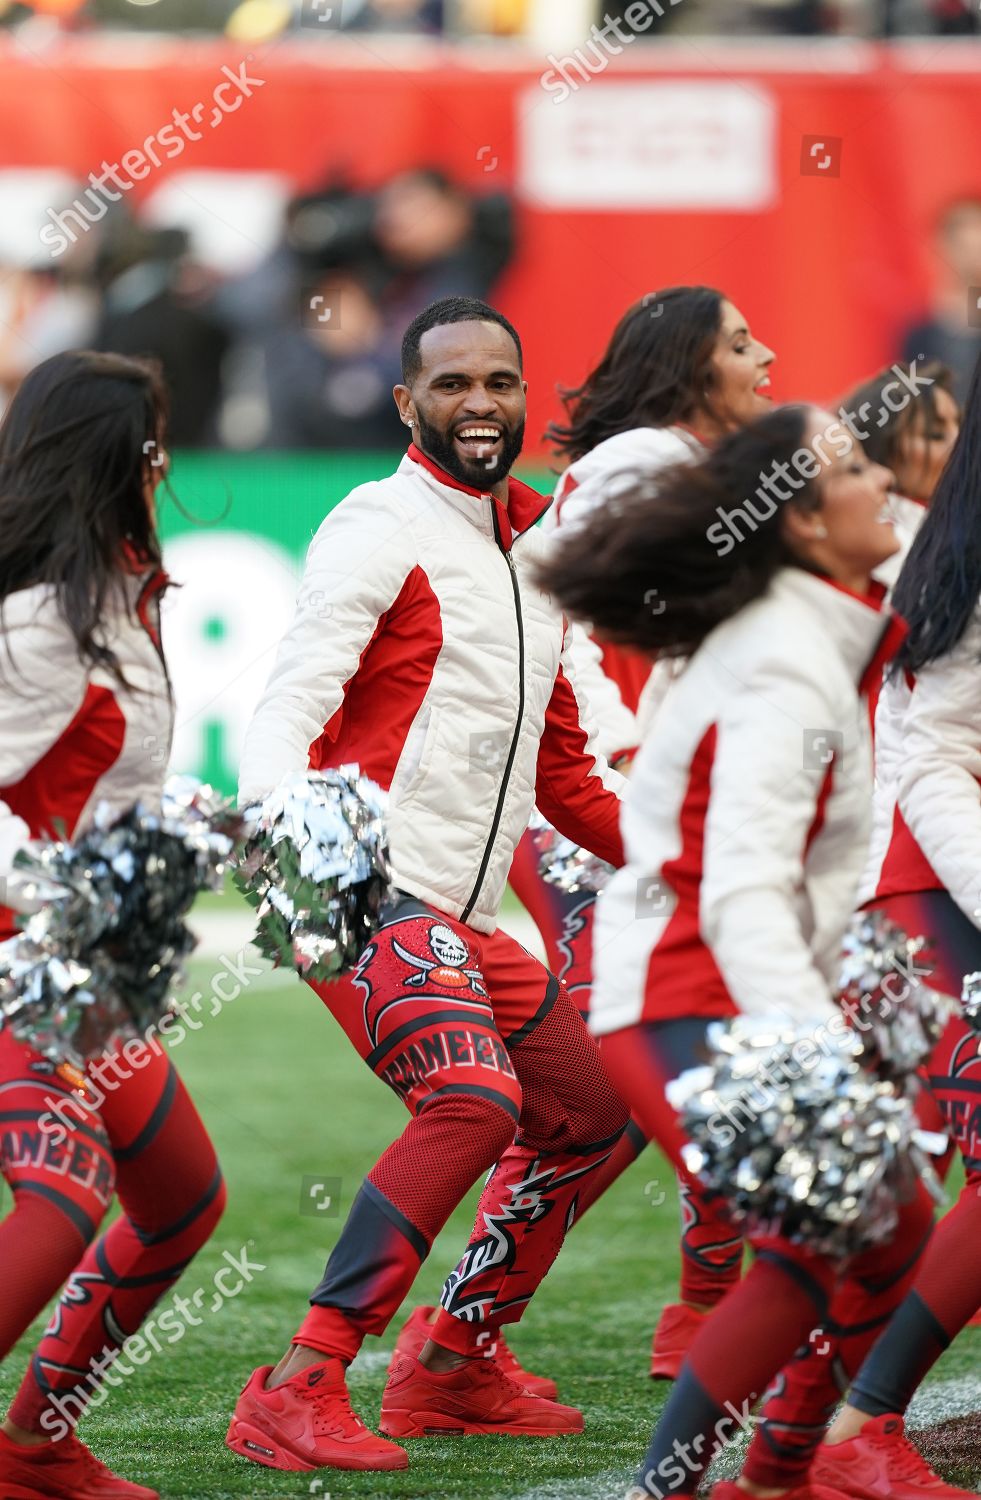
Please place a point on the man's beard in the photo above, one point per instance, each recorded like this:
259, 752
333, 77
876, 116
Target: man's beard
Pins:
476, 473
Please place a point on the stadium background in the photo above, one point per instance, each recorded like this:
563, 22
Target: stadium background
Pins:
684, 161
805, 176
808, 175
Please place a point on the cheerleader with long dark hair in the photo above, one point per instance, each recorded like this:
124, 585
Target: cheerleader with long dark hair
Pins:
681, 370
912, 436
86, 717
923, 874
746, 827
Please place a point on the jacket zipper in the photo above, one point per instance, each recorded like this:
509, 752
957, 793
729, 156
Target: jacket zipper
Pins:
489, 847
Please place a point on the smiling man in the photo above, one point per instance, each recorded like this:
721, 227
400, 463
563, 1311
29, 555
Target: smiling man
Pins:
423, 649
473, 430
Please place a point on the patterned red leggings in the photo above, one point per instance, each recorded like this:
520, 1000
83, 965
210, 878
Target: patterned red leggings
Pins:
785, 1295
497, 1071
885, 1358
145, 1141
711, 1254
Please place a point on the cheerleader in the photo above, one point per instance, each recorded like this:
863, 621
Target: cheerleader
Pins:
746, 827
682, 369
914, 439
86, 716
923, 874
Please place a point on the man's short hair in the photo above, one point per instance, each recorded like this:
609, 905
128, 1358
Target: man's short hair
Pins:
438, 315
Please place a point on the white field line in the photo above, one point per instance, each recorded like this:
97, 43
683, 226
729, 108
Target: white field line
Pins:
938, 1401
229, 931
220, 932
370, 1362
943, 1399
609, 1484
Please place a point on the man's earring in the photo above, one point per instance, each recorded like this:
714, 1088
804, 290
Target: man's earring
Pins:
821, 530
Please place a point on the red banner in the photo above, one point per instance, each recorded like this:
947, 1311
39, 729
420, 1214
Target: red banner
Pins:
804, 180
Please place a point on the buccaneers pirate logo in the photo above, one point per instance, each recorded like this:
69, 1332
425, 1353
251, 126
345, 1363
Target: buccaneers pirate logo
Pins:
446, 967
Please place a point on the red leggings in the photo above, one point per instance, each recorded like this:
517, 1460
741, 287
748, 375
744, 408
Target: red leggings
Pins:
565, 922
711, 1254
946, 1291
785, 1295
495, 1066
146, 1141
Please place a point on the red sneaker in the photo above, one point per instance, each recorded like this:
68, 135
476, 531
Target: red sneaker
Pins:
476, 1398
673, 1337
729, 1491
881, 1464
307, 1423
64, 1470
418, 1328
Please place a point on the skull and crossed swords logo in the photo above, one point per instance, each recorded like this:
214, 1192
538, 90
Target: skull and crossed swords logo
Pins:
447, 967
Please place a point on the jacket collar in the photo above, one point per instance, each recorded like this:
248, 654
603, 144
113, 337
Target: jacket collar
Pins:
866, 631
524, 505
701, 443
910, 500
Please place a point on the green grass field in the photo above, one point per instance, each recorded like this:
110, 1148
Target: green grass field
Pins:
285, 1098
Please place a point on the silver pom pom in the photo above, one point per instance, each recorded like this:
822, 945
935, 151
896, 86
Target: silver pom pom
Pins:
564, 863
96, 964
795, 1136
971, 1000
65, 1010
897, 1017
316, 869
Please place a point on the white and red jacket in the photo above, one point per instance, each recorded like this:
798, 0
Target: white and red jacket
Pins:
746, 821
927, 810
70, 735
613, 676
423, 650
907, 517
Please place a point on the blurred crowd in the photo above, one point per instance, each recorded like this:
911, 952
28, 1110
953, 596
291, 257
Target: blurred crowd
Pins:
299, 346
299, 351
265, 19
868, 18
